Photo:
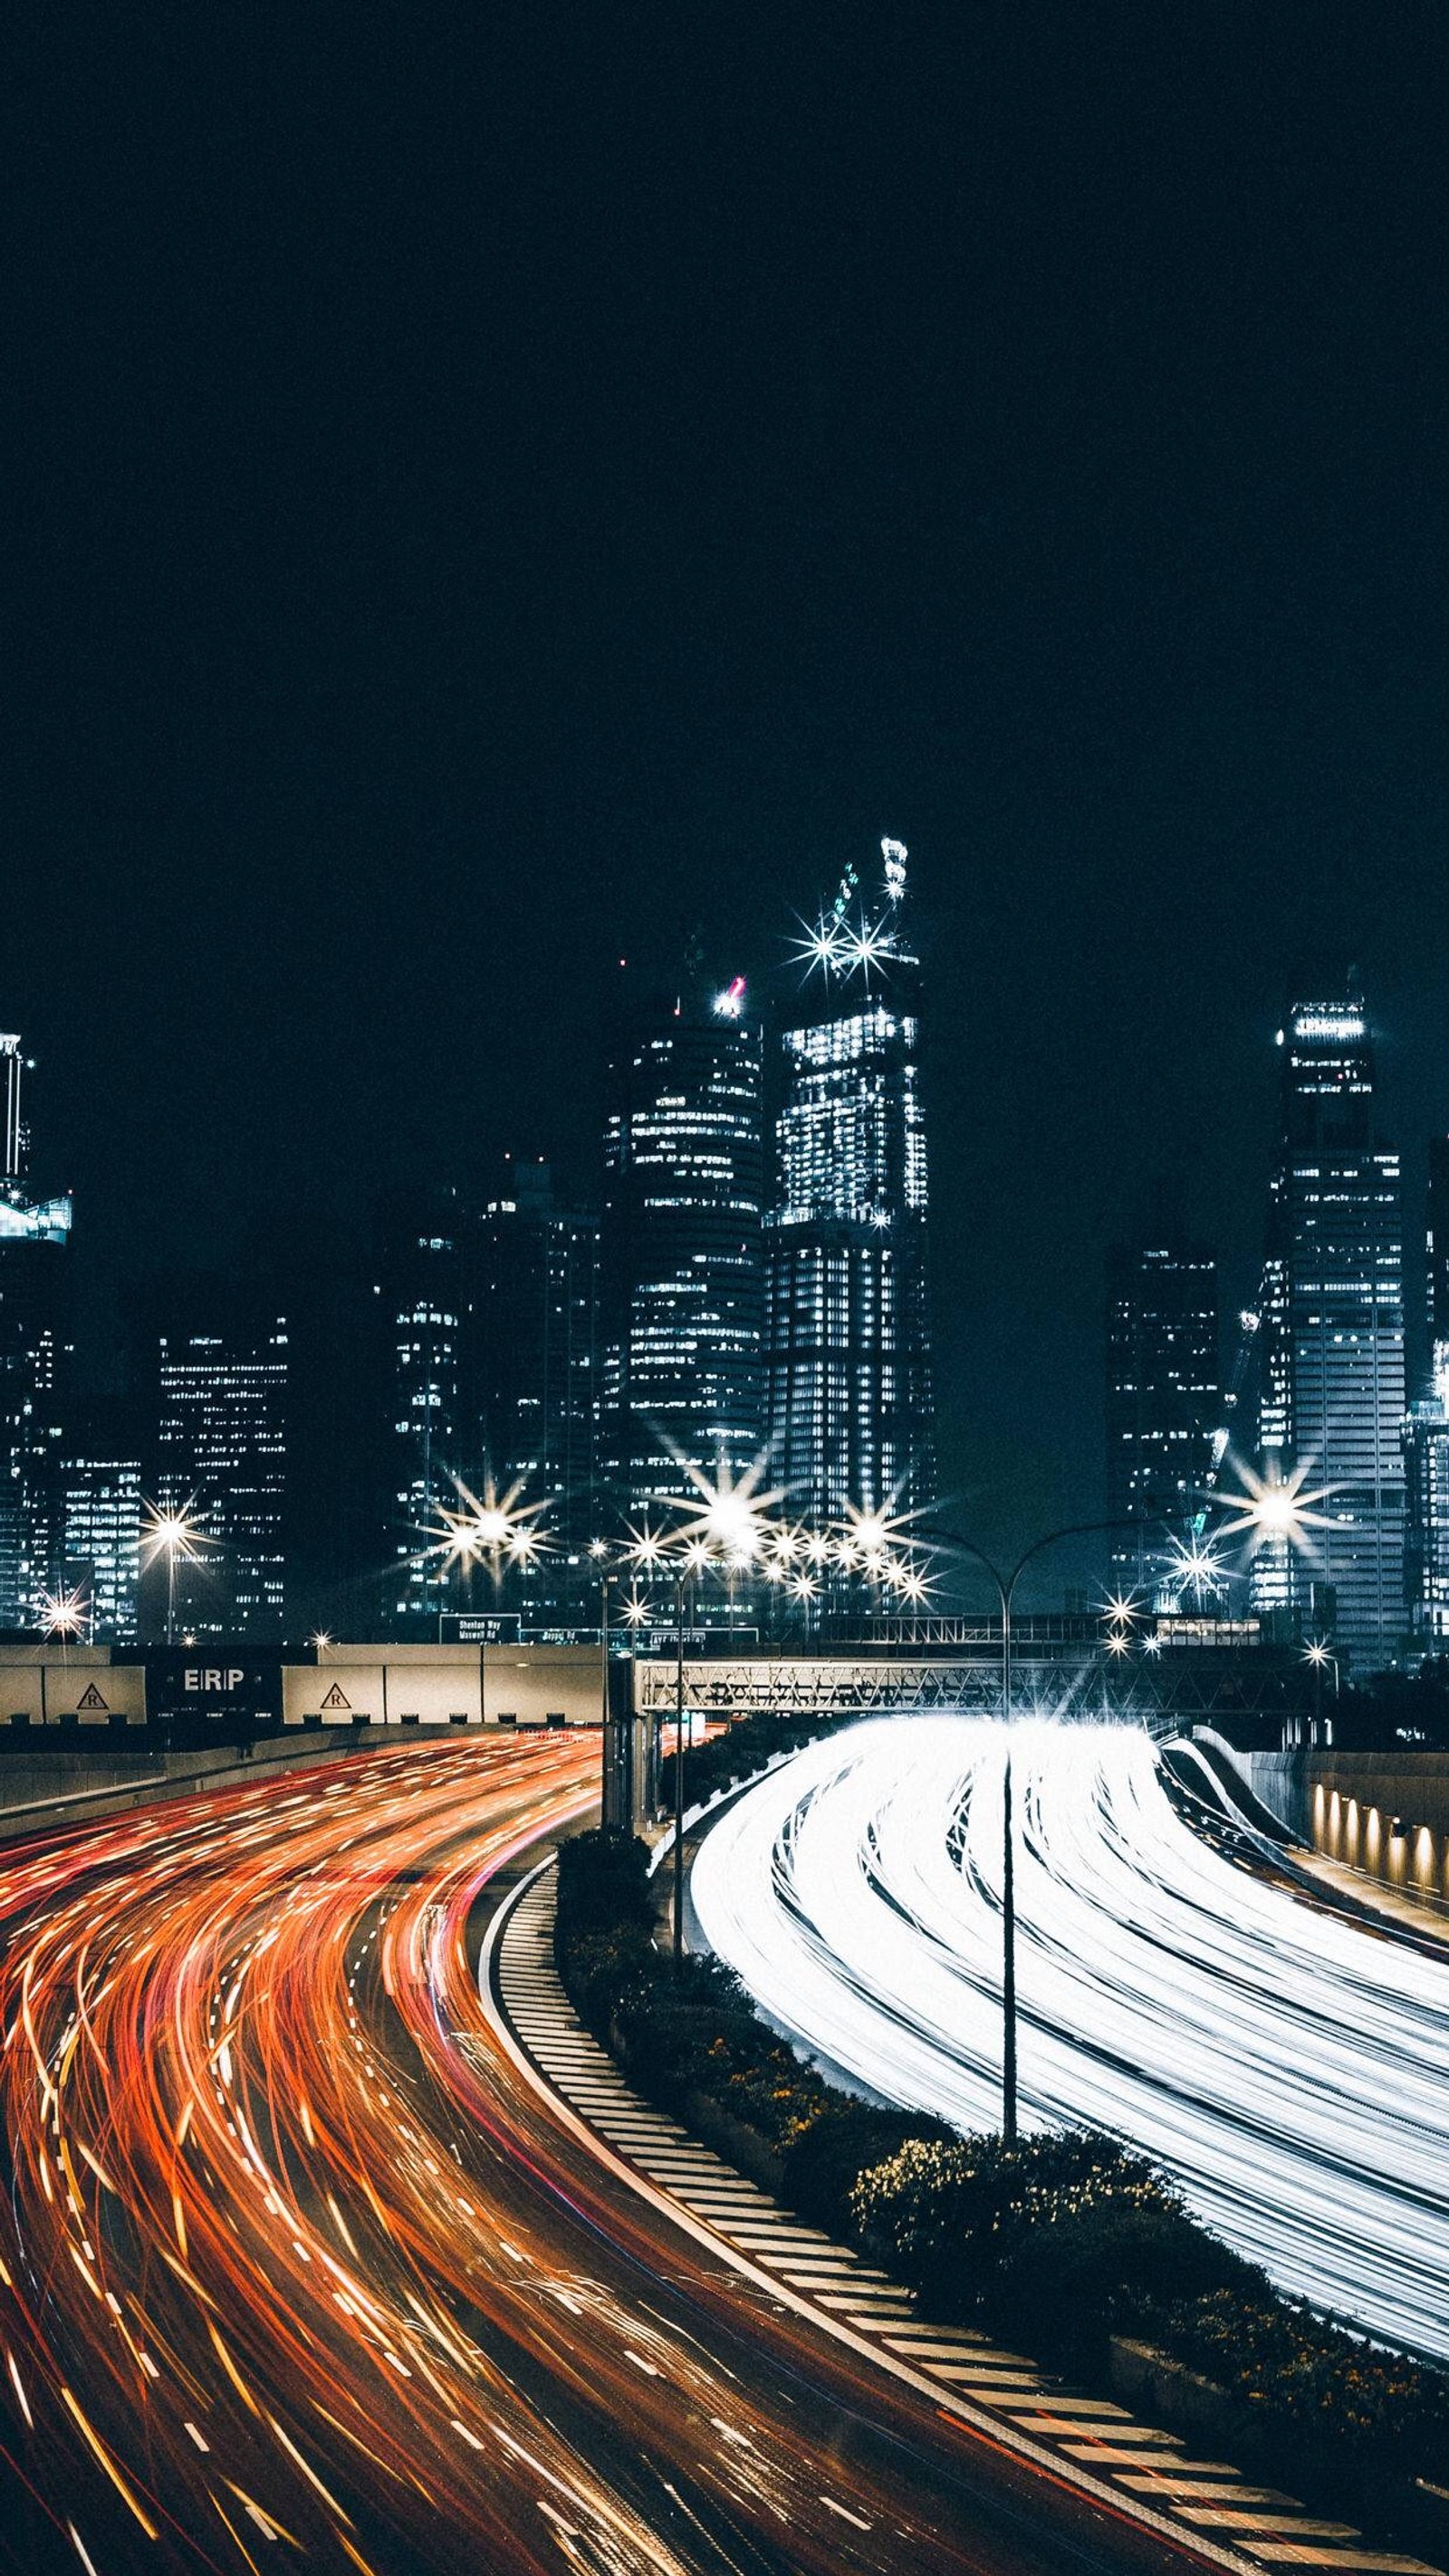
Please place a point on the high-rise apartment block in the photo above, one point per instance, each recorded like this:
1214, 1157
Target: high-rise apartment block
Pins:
681, 1276
35, 1292
1163, 1394
1426, 1438
1436, 1244
1332, 1397
221, 1459
848, 1339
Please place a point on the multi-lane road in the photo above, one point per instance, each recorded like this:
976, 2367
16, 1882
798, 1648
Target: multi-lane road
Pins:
1291, 2067
292, 2263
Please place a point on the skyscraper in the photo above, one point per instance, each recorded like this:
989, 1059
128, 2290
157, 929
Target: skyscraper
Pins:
1437, 1242
681, 1279
425, 1286
34, 1349
221, 1458
1332, 1397
848, 1334
100, 1505
1163, 1392
1426, 1438
536, 1292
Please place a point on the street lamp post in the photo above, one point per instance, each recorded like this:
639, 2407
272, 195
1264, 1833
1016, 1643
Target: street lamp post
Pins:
1006, 1593
180, 1536
679, 1583
1274, 1511
1318, 1653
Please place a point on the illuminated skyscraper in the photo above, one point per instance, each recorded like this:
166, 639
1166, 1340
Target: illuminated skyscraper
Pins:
1332, 1397
1426, 1438
1437, 1242
1163, 1400
222, 1459
536, 1322
848, 1336
681, 1280
34, 1347
101, 1512
424, 1285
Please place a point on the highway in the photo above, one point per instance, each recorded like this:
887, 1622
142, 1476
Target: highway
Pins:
1290, 2067
293, 2265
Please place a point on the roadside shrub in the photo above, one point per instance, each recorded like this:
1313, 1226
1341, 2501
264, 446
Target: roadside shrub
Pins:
1070, 2286
977, 2219
603, 1884
601, 1969
825, 2161
1321, 2384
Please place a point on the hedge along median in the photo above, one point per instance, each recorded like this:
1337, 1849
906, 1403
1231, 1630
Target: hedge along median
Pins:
1066, 2244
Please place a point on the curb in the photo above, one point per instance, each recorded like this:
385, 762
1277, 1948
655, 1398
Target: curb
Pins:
1106, 2455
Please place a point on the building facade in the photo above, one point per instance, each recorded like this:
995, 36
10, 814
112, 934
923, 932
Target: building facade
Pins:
536, 1318
221, 1461
681, 1275
35, 1306
1163, 1396
1426, 1438
101, 1513
848, 1325
425, 1286
1332, 1394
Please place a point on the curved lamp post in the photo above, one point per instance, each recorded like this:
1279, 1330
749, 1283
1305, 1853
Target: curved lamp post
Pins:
179, 1537
1275, 1512
1006, 1584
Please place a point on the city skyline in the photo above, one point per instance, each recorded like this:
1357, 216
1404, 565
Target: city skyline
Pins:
521, 1403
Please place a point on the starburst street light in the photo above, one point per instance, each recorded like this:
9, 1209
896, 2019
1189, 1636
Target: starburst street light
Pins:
1272, 1511
647, 1548
179, 1537
1319, 1654
729, 1513
912, 1584
1196, 1569
63, 1614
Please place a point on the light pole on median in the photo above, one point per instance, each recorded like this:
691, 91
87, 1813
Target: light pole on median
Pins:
678, 1890
1006, 1592
1275, 1511
1317, 1653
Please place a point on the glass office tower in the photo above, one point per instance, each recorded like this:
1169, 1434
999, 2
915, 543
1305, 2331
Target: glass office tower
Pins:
1332, 1398
1426, 1439
424, 1284
101, 1514
681, 1277
536, 1319
222, 1460
1163, 1396
35, 1305
849, 1364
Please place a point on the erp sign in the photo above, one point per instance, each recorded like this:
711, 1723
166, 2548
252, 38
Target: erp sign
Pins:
214, 1685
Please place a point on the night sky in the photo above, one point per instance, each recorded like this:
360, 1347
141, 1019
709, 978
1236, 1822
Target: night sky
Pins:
496, 489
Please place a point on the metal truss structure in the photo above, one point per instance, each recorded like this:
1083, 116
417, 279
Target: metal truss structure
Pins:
1056, 1682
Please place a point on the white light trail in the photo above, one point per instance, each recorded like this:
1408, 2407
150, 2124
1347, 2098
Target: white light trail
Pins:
1291, 2069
